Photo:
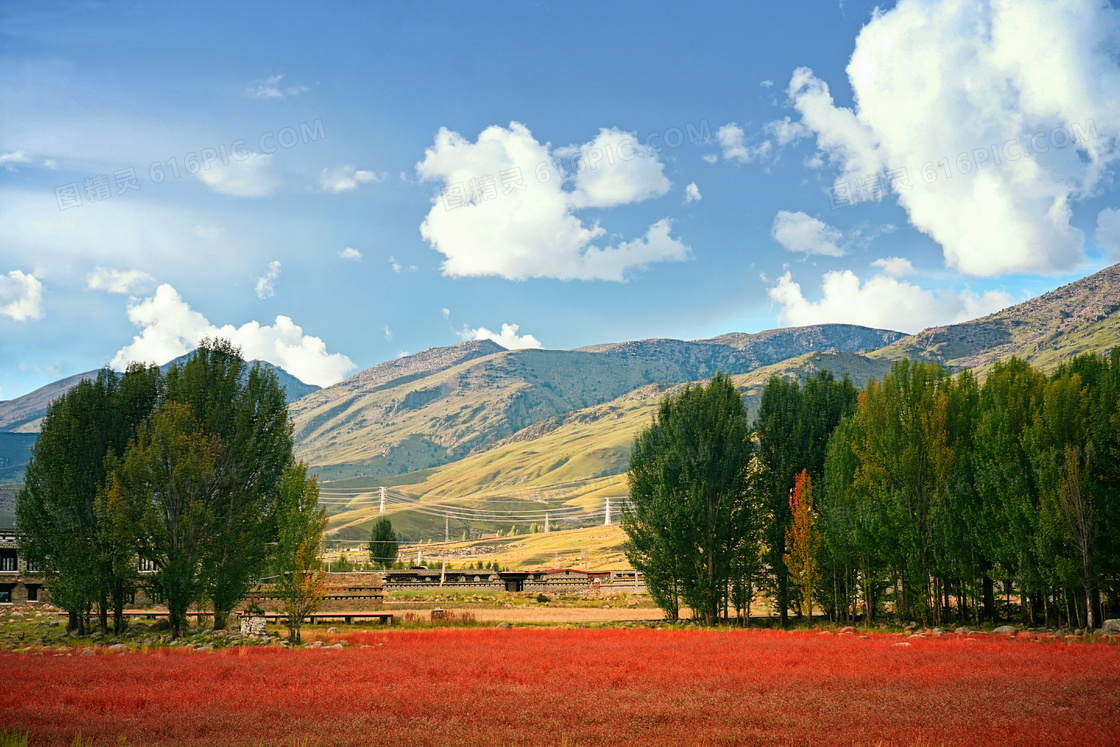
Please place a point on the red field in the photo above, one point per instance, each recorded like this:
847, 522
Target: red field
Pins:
579, 687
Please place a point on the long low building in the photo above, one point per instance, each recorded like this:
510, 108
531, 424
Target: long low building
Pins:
544, 581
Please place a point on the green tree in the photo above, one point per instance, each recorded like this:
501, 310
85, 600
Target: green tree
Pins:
83, 560
162, 493
793, 426
298, 562
383, 543
690, 510
244, 409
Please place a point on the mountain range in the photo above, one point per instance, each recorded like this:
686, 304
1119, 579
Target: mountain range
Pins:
476, 422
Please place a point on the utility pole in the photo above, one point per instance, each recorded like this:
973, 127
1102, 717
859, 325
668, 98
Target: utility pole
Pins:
607, 523
546, 522
382, 509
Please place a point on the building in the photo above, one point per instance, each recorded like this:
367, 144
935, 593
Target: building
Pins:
18, 583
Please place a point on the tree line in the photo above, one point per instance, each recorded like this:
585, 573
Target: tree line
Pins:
188, 474
927, 496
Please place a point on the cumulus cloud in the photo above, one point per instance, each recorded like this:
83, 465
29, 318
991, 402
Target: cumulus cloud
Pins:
351, 254
266, 285
613, 169
346, 177
21, 296
507, 338
504, 210
395, 264
882, 302
169, 327
254, 176
270, 88
732, 142
692, 193
802, 233
119, 281
1108, 231
997, 90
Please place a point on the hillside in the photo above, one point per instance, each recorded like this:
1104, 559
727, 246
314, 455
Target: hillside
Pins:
444, 404
575, 459
1075, 318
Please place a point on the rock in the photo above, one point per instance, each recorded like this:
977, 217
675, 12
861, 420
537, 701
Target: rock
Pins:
846, 630
334, 631
1005, 630
1110, 627
963, 630
119, 648
46, 650
315, 644
904, 643
253, 625
503, 626
338, 647
204, 647
162, 624
64, 649
87, 652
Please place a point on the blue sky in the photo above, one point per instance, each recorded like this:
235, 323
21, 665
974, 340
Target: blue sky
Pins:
335, 185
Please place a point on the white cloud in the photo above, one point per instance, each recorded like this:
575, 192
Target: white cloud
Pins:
882, 302
270, 88
169, 328
895, 267
1108, 231
254, 176
531, 231
388, 332
786, 131
50, 163
7, 159
446, 313
507, 338
710, 158
394, 264
21, 296
802, 233
209, 232
346, 177
692, 193
614, 169
732, 139
266, 286
767, 83
972, 81
119, 281
351, 254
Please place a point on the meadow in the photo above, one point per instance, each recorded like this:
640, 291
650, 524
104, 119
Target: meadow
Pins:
578, 687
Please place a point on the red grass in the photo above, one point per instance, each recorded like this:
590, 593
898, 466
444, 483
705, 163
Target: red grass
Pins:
585, 687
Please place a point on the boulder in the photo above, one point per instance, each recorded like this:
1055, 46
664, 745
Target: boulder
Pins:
334, 631
503, 626
162, 624
87, 652
119, 648
338, 647
1110, 627
1005, 630
963, 630
253, 625
848, 629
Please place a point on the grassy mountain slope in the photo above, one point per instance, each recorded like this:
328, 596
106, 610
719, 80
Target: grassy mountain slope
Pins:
383, 422
1080, 317
576, 458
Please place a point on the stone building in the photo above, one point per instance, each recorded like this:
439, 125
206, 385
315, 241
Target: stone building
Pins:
19, 584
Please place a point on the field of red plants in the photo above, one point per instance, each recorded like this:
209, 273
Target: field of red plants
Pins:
578, 687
